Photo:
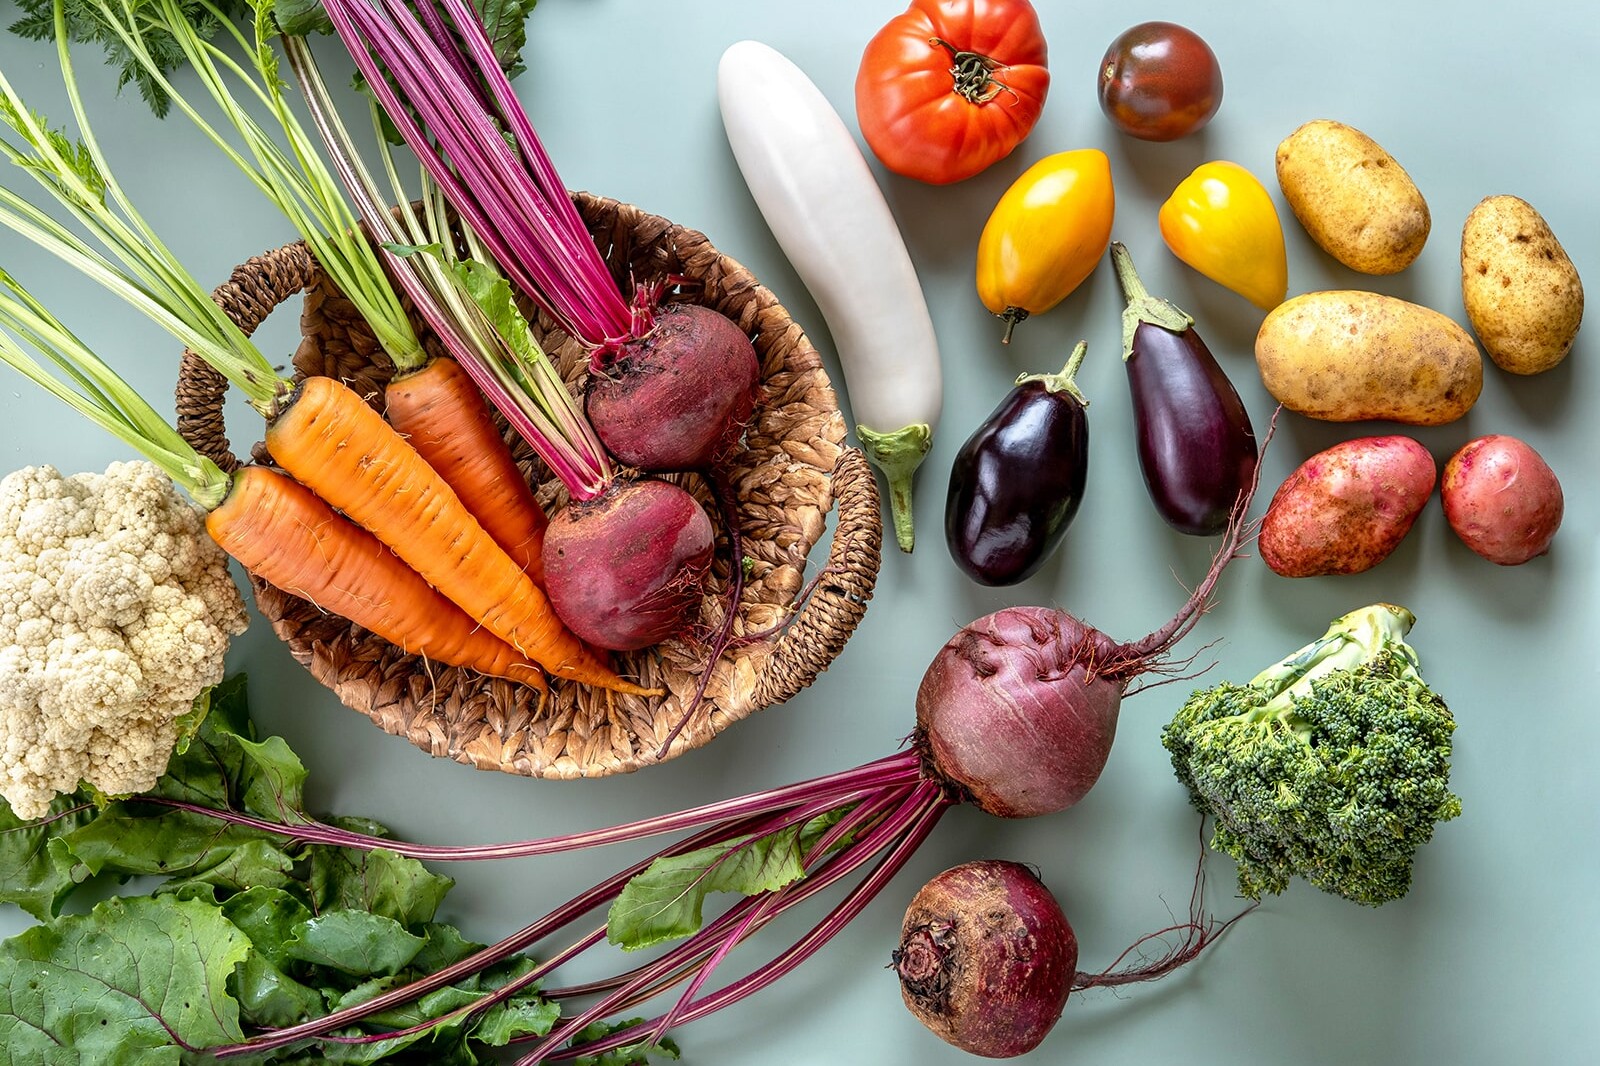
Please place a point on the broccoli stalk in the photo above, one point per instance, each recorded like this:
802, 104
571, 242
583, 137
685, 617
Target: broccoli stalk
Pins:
1333, 764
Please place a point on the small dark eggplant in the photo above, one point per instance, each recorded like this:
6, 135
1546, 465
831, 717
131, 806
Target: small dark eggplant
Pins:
1196, 447
1017, 481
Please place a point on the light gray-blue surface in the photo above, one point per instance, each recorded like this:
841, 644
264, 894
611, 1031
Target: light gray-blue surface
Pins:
1488, 961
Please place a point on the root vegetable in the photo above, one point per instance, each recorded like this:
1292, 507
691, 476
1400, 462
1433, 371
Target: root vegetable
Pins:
987, 959
1502, 499
628, 566
1348, 356
435, 74
1352, 197
1345, 509
677, 397
1519, 286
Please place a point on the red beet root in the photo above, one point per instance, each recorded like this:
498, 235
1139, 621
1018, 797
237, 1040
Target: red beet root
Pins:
625, 570
986, 958
1038, 681
678, 397
1021, 679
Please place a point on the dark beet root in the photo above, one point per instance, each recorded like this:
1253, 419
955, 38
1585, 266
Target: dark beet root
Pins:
986, 958
678, 397
1037, 680
627, 569
1022, 679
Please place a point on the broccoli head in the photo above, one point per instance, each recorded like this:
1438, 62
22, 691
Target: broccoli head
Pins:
1333, 764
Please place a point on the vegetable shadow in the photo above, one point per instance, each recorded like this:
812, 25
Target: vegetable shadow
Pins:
1546, 398
1523, 592
1158, 166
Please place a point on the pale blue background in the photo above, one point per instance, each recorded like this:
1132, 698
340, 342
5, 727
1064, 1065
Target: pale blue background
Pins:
1488, 961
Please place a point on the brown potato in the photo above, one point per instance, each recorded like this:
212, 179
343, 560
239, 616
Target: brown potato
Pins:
1521, 292
1502, 499
1351, 196
1349, 356
1347, 508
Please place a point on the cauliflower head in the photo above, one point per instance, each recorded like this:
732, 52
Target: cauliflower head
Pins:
115, 610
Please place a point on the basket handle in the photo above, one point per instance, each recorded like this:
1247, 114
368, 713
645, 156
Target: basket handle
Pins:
251, 293
818, 633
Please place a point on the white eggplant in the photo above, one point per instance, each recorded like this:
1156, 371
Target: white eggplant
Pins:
822, 203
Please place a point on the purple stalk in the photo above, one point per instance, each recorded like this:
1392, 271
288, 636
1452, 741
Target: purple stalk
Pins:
569, 450
441, 35
926, 816
590, 268
884, 813
543, 170
612, 887
769, 906
479, 960
750, 914
833, 790
475, 152
510, 195
826, 873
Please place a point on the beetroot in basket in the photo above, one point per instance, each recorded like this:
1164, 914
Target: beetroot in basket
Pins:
625, 564
791, 469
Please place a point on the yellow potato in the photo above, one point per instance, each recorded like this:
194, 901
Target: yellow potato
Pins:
1351, 196
1521, 291
1347, 356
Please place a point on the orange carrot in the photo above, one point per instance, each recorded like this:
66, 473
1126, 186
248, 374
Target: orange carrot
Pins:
286, 535
329, 440
444, 416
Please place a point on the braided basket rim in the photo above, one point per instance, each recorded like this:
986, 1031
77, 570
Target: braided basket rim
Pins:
794, 469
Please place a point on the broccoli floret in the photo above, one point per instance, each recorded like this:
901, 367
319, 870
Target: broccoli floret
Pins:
1333, 764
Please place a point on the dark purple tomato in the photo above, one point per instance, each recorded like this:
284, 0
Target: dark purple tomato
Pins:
1159, 81
1016, 483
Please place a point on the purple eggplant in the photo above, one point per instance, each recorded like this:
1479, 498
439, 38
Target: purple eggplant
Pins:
1017, 481
1196, 447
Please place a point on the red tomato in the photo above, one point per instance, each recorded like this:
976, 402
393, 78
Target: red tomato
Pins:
1159, 82
949, 87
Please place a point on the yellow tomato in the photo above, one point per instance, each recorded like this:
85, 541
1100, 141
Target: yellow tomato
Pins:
1220, 220
1046, 234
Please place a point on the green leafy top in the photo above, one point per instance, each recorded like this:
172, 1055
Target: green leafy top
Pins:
1333, 764
504, 19
665, 901
84, 26
246, 930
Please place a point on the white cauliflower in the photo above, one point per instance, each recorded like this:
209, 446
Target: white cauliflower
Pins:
115, 610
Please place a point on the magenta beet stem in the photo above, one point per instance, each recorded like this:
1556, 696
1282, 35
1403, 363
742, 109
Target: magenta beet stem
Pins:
838, 789
479, 960
788, 960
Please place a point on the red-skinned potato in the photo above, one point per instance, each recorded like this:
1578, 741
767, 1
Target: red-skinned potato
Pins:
1502, 499
1346, 508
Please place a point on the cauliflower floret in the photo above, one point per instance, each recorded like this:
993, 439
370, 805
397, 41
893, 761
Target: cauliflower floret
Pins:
115, 611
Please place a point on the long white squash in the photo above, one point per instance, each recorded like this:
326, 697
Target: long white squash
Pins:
823, 205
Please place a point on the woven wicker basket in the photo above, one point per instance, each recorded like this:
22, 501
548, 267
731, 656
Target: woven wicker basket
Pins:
793, 468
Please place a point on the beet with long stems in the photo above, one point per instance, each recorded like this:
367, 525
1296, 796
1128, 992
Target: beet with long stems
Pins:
1040, 695
675, 383
987, 959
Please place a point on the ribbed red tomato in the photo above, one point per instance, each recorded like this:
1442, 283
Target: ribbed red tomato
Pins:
950, 87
